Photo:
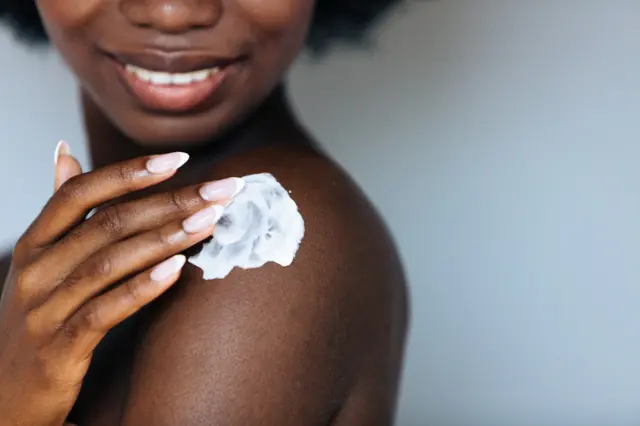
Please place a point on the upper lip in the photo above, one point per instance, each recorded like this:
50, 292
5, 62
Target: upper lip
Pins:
180, 61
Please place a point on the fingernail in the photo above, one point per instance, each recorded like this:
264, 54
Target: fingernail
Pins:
168, 268
61, 149
167, 163
222, 189
203, 219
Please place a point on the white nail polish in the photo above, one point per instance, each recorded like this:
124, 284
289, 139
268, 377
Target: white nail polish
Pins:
203, 219
167, 163
61, 149
168, 268
224, 189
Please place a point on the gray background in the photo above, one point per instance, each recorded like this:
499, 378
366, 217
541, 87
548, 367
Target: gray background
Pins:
500, 139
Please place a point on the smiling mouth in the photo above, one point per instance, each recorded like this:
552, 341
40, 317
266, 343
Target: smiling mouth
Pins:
175, 82
172, 92
160, 78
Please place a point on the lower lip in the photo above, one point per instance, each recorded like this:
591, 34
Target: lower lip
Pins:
172, 98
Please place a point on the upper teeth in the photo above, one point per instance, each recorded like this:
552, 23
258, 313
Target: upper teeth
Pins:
155, 77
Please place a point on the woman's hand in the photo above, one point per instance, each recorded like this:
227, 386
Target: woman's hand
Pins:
72, 279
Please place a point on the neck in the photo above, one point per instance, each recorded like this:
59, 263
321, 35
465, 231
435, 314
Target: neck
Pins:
272, 122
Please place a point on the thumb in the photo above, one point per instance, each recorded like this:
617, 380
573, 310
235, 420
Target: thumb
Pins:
66, 165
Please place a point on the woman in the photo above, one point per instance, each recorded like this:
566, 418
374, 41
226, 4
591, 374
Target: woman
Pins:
103, 322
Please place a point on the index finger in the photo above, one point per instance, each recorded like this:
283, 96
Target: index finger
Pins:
80, 194
65, 164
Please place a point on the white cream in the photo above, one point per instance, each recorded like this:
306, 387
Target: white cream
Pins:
262, 224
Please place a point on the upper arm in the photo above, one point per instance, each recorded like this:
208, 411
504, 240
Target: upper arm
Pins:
249, 350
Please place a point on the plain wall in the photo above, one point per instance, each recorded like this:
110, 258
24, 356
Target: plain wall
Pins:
501, 141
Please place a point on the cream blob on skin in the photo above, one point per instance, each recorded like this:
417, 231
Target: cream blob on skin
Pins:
262, 224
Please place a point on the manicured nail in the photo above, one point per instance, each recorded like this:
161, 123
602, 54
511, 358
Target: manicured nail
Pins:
61, 149
222, 189
167, 163
168, 268
203, 219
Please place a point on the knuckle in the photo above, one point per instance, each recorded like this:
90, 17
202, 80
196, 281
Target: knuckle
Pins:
27, 278
111, 219
70, 332
178, 201
21, 296
89, 271
165, 238
124, 174
90, 319
72, 280
72, 189
98, 268
131, 291
84, 321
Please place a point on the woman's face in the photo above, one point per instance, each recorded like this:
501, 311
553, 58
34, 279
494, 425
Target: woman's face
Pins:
177, 71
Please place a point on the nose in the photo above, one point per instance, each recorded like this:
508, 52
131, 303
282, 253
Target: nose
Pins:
172, 16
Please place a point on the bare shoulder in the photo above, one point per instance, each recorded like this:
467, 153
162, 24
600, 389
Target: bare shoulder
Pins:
298, 344
347, 247
347, 253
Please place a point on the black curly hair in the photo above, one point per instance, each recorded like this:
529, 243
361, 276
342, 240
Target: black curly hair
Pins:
333, 21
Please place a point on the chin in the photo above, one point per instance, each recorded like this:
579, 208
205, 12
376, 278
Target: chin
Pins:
171, 131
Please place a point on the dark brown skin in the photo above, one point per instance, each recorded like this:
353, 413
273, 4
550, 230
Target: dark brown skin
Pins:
317, 343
